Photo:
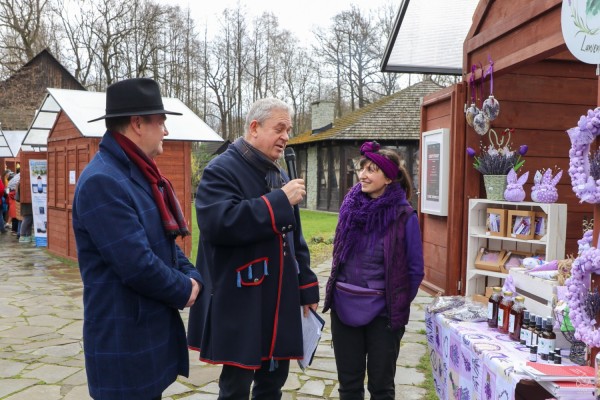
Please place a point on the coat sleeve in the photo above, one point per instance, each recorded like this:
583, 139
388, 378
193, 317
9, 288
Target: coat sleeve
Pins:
185, 266
108, 217
414, 254
226, 215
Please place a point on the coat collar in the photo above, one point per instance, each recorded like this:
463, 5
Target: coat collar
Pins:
110, 145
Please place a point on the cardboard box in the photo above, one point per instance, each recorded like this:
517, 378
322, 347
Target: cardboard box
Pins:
521, 224
514, 259
490, 260
495, 222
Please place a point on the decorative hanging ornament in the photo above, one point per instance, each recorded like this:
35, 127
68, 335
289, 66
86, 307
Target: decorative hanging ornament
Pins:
472, 111
491, 106
481, 124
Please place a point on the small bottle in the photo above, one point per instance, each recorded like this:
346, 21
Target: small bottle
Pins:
533, 353
537, 331
524, 328
504, 311
493, 304
539, 338
515, 318
530, 330
557, 359
548, 340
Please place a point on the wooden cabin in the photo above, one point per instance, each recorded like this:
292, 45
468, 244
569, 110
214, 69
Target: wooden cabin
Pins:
542, 90
72, 142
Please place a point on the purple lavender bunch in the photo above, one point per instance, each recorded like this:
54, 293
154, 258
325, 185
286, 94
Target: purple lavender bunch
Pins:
594, 158
454, 355
592, 304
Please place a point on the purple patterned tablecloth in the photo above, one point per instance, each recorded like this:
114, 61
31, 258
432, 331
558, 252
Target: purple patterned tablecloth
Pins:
471, 361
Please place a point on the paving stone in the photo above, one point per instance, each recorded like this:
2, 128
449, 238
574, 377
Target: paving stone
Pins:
411, 353
77, 379
408, 376
39, 392
313, 388
66, 350
212, 387
48, 320
176, 388
9, 386
10, 368
26, 331
200, 396
51, 373
409, 392
7, 310
78, 393
292, 382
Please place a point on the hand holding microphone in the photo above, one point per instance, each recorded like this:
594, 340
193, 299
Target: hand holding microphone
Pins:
295, 189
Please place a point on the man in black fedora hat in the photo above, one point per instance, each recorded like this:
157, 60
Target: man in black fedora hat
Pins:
126, 217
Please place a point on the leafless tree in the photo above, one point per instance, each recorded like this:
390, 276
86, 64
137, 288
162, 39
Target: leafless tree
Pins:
22, 31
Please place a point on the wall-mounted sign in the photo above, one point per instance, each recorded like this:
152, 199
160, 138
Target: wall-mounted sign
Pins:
435, 166
580, 22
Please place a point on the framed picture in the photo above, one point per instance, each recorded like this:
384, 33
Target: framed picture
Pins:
521, 224
490, 260
495, 222
435, 167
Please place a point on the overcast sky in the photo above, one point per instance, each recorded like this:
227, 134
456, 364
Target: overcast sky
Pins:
300, 17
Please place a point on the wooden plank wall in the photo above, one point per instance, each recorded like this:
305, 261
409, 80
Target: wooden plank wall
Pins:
541, 101
441, 255
69, 151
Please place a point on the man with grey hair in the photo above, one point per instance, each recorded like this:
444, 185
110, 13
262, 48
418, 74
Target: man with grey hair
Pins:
254, 260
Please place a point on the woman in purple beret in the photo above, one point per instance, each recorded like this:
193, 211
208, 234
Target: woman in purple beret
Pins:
376, 272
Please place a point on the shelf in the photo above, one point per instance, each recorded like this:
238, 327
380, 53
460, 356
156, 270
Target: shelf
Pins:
507, 238
476, 271
552, 243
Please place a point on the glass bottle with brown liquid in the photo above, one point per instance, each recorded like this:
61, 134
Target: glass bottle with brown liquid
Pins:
524, 328
535, 335
531, 329
547, 340
504, 311
493, 304
515, 318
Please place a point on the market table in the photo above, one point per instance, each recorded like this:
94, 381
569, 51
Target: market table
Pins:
469, 360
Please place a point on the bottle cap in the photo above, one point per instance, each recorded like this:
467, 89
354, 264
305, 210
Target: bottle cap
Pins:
557, 350
533, 349
538, 320
543, 324
526, 314
522, 342
520, 298
497, 289
508, 293
549, 321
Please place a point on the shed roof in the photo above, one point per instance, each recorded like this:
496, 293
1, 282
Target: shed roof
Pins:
394, 117
10, 142
81, 106
428, 37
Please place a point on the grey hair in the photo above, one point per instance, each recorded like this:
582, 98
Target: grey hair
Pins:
261, 110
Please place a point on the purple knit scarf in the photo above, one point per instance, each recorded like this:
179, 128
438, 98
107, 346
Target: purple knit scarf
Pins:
361, 217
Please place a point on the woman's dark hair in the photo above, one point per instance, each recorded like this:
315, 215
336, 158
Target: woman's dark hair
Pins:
403, 177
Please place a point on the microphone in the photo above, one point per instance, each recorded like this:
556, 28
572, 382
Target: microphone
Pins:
290, 160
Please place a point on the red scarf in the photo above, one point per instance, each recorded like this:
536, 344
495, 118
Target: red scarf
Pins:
162, 190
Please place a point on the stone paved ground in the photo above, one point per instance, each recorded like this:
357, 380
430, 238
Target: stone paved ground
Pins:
41, 356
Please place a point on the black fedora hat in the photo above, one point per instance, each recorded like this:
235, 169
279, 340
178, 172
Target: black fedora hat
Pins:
136, 96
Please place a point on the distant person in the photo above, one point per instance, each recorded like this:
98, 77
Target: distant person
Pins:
126, 218
376, 273
3, 206
254, 259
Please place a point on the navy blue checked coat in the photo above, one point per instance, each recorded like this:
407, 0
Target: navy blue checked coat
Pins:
135, 279
256, 265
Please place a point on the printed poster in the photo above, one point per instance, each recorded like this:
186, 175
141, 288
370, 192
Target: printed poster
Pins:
38, 174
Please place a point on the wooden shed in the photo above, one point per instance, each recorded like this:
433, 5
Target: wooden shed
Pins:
72, 142
542, 89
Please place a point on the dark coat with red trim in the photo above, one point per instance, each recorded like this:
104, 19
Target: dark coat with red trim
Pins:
256, 267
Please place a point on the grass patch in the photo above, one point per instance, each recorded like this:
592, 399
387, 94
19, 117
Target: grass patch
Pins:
318, 228
425, 368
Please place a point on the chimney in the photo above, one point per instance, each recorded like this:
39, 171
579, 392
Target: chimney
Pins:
322, 116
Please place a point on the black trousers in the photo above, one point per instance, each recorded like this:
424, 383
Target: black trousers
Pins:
234, 382
373, 348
